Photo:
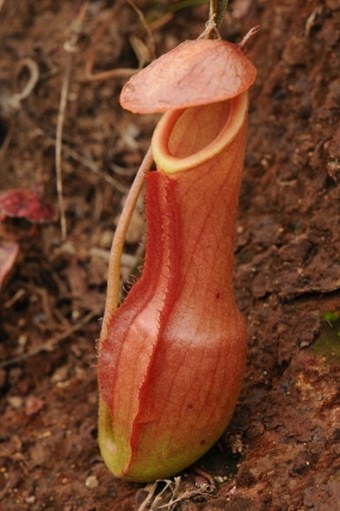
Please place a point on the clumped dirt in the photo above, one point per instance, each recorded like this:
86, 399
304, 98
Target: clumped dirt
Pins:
281, 451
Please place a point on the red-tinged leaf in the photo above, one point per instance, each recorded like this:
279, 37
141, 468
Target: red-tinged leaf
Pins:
23, 203
194, 73
9, 252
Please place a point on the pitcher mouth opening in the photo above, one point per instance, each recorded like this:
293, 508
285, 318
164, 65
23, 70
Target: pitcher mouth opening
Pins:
187, 138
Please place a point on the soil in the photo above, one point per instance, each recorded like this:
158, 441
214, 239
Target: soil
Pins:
281, 451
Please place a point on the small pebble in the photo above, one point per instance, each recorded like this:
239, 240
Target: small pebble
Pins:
22, 340
60, 374
91, 482
15, 401
221, 479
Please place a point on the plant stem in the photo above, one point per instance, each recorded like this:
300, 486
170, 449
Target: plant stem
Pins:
218, 9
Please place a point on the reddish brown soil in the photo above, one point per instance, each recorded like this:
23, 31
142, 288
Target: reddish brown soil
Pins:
280, 452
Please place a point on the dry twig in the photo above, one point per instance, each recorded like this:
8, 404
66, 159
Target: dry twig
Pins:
153, 497
120, 72
51, 343
206, 476
144, 53
71, 47
33, 69
10, 102
147, 28
58, 146
93, 167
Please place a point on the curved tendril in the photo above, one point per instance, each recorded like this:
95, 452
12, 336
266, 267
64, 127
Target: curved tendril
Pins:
113, 286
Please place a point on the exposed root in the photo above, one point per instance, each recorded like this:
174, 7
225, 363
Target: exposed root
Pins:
166, 494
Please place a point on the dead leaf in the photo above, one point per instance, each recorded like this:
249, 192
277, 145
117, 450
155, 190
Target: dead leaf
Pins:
24, 203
